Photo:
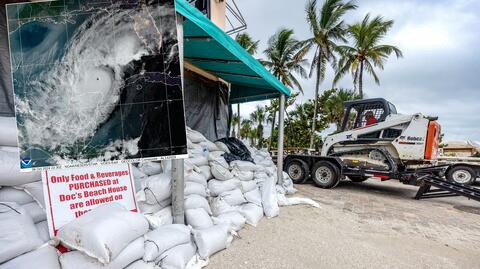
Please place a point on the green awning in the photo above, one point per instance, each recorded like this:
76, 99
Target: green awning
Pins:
210, 48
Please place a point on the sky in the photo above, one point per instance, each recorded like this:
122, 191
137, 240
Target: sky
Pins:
439, 74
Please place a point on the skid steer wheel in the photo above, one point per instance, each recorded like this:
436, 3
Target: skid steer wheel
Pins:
461, 174
325, 175
298, 171
357, 178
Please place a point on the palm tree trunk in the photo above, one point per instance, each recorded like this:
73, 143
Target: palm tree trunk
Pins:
314, 123
360, 80
270, 140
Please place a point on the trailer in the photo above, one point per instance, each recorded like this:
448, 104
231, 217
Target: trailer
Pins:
376, 141
461, 170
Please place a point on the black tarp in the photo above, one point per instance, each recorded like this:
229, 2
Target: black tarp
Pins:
238, 150
206, 106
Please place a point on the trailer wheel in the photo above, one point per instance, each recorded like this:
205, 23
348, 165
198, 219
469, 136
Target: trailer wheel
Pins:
358, 178
325, 175
461, 174
298, 171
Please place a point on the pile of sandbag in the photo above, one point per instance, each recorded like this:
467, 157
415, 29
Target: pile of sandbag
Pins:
153, 185
23, 225
220, 198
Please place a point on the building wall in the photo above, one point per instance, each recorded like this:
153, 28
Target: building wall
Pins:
217, 12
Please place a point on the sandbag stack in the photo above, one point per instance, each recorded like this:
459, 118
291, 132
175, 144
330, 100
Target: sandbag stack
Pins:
23, 226
153, 184
220, 198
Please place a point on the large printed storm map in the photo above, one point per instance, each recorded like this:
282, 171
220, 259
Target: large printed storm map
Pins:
96, 81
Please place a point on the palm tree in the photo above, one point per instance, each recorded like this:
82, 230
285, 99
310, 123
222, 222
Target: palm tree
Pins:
366, 53
327, 27
235, 122
246, 42
284, 58
258, 117
251, 46
334, 105
271, 118
245, 129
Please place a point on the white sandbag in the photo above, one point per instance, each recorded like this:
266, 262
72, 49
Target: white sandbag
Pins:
247, 186
177, 257
288, 201
198, 218
219, 206
197, 178
218, 186
78, 260
150, 168
42, 228
211, 240
287, 184
103, 232
10, 169
195, 136
269, 198
252, 213
205, 171
271, 170
266, 163
137, 173
264, 153
219, 171
194, 188
197, 151
243, 175
8, 135
260, 175
233, 197
18, 233
152, 209
209, 145
141, 264
13, 195
188, 166
34, 189
199, 160
45, 257
156, 188
138, 177
164, 238
254, 196
162, 217
213, 155
35, 211
222, 147
235, 219
243, 165
196, 201
259, 168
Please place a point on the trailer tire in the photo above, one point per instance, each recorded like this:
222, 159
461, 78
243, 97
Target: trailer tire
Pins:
298, 171
325, 174
358, 178
461, 174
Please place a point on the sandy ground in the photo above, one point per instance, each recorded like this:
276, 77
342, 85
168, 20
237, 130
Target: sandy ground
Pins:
362, 225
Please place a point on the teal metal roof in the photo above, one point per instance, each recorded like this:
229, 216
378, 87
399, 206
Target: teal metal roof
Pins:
210, 48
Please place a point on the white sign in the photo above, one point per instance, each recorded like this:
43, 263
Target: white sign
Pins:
70, 193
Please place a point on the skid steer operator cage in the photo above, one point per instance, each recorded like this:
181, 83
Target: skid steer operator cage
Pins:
356, 112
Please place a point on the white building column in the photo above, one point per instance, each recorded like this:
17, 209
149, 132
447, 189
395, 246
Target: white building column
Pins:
281, 117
